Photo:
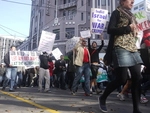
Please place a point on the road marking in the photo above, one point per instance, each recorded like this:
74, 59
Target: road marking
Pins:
30, 102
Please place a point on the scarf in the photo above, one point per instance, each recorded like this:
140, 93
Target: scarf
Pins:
128, 14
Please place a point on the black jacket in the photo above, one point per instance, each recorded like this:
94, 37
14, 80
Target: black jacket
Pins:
61, 63
44, 61
7, 61
113, 30
95, 52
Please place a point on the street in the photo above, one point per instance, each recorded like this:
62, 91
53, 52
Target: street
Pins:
29, 100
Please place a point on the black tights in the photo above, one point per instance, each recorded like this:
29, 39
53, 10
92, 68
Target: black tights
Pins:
121, 78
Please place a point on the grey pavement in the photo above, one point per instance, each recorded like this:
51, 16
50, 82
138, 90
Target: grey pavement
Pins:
61, 101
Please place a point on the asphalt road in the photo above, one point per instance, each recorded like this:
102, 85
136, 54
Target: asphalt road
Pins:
29, 100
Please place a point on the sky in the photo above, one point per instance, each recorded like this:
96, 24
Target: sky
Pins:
16, 17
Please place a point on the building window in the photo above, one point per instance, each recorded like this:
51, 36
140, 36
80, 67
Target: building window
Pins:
70, 32
141, 5
103, 2
135, 8
89, 2
57, 32
36, 19
82, 16
64, 1
81, 2
89, 15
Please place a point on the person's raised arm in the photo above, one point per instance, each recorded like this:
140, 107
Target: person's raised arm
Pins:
102, 42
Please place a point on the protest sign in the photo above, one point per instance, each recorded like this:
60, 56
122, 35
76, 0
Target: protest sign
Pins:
57, 53
85, 34
70, 44
24, 58
46, 42
99, 18
142, 19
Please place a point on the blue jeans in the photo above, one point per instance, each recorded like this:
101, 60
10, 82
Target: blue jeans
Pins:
11, 74
19, 78
1, 78
82, 70
61, 79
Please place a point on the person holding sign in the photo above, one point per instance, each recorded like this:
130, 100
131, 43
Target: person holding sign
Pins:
122, 28
44, 72
11, 71
81, 58
94, 52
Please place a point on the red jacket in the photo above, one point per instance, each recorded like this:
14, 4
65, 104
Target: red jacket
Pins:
51, 67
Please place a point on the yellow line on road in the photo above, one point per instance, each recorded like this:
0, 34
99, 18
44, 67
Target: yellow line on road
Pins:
30, 102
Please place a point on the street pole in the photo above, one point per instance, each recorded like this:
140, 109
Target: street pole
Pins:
93, 6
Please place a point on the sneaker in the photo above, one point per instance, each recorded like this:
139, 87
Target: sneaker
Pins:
47, 91
88, 94
103, 108
121, 97
143, 100
73, 93
11, 91
98, 91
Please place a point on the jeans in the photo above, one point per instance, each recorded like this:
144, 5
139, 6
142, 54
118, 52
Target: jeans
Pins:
11, 74
82, 70
19, 78
1, 78
61, 79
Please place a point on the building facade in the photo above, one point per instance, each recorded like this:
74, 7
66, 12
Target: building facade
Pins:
143, 5
6, 42
65, 18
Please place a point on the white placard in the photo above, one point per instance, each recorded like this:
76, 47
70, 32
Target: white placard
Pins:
99, 18
139, 39
70, 44
85, 34
24, 58
46, 42
57, 53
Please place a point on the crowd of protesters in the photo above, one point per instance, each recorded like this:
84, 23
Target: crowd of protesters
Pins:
66, 74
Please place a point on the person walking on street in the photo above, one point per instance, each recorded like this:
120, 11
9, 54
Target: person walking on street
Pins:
44, 72
94, 52
11, 71
123, 30
60, 66
82, 65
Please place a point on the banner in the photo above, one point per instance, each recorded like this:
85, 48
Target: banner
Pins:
57, 53
46, 42
99, 18
70, 44
142, 19
24, 58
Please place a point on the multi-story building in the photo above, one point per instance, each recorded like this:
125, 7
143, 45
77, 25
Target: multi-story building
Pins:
65, 18
6, 42
143, 5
